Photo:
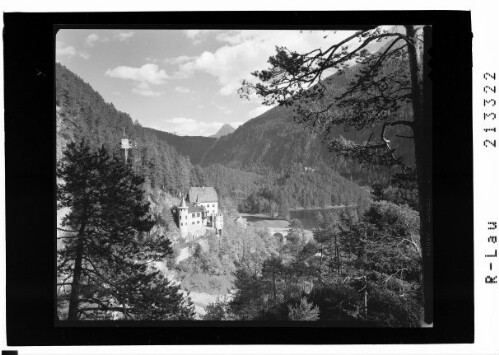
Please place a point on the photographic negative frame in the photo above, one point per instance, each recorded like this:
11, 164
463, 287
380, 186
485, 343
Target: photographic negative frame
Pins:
30, 181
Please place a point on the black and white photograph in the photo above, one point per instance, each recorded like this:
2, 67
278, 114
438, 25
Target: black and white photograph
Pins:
244, 175
210, 180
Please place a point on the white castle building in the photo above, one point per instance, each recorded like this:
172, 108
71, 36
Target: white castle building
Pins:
198, 212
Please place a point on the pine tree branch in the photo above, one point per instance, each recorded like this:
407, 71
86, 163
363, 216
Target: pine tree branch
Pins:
98, 274
107, 254
348, 56
311, 76
366, 76
64, 262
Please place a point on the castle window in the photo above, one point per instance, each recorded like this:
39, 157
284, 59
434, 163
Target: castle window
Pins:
199, 214
193, 222
213, 205
180, 217
181, 224
193, 215
198, 222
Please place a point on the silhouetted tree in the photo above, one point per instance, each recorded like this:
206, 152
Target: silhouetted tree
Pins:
105, 260
386, 91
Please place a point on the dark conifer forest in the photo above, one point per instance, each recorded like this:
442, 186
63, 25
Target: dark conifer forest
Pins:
173, 163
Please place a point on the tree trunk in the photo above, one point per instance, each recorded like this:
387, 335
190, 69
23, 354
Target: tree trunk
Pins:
337, 254
274, 288
423, 153
365, 302
75, 284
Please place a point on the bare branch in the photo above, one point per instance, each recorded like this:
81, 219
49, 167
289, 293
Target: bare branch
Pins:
387, 142
401, 122
403, 136
66, 230
395, 273
418, 249
119, 309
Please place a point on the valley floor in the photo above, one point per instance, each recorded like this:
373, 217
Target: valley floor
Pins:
202, 299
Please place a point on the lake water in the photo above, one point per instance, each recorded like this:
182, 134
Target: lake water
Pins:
310, 218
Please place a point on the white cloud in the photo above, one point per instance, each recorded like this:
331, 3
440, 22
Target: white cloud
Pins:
182, 90
62, 51
143, 89
236, 124
84, 55
199, 36
193, 33
91, 39
223, 108
123, 36
190, 127
146, 92
148, 73
258, 111
179, 60
246, 51
235, 36
94, 38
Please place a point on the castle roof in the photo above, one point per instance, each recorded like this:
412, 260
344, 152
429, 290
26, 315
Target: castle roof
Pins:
183, 204
194, 208
203, 194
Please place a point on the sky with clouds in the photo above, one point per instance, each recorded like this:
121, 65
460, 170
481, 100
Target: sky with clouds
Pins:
181, 81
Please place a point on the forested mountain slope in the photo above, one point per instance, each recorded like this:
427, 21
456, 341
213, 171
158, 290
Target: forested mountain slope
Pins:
83, 114
194, 147
270, 140
255, 158
166, 160
274, 140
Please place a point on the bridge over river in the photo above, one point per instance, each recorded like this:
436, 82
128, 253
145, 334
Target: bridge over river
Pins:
309, 218
283, 231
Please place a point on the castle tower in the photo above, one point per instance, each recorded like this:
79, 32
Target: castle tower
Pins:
218, 223
126, 145
183, 218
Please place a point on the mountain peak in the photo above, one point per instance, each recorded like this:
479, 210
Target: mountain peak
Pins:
223, 131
